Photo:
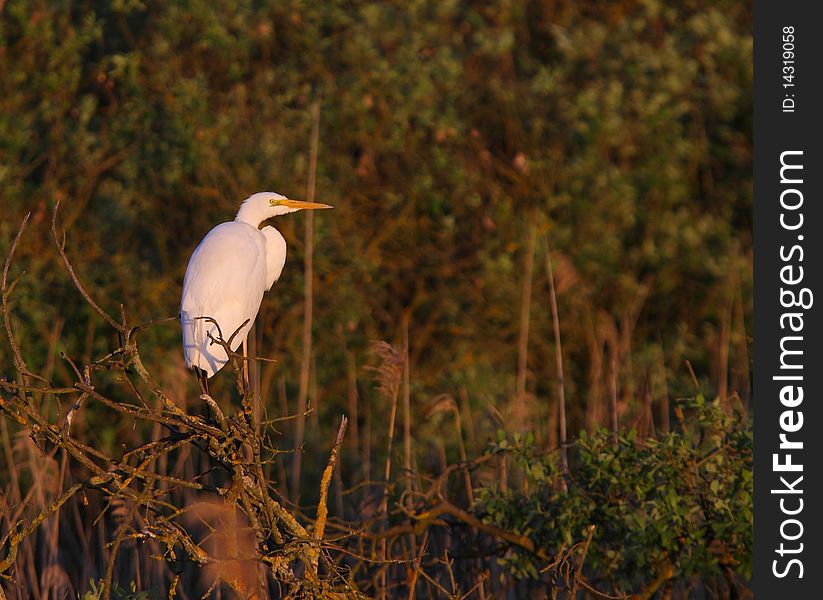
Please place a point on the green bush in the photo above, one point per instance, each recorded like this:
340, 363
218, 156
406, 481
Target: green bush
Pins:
678, 502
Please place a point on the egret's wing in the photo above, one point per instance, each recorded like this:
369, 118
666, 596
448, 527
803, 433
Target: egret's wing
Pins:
225, 281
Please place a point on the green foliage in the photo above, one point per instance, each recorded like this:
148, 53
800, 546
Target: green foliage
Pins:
681, 500
96, 592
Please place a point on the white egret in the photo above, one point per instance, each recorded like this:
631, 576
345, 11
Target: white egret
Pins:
228, 273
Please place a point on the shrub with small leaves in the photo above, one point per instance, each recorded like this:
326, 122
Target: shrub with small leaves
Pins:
96, 591
666, 508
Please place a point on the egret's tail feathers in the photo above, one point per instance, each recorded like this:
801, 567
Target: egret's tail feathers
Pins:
199, 348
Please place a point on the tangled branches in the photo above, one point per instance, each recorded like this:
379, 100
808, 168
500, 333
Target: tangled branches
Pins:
252, 540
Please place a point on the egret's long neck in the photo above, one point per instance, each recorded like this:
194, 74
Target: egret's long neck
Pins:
251, 214
275, 254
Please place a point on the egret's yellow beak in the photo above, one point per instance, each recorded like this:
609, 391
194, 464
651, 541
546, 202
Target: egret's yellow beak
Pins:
300, 204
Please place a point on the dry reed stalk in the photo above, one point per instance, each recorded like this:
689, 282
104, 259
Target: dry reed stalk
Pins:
503, 473
366, 464
692, 374
268, 370
15, 496
613, 379
407, 449
467, 480
520, 409
595, 400
458, 425
354, 434
624, 352
664, 396
648, 412
314, 394
465, 407
283, 401
338, 493
558, 362
55, 537
387, 376
11, 464
446, 403
51, 355
723, 352
308, 297
726, 319
115, 549
742, 353
254, 337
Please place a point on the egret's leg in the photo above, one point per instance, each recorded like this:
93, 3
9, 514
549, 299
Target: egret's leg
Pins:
202, 379
246, 364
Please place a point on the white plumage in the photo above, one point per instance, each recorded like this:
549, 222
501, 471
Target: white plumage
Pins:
227, 275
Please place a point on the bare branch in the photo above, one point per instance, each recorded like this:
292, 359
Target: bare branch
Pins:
60, 244
19, 363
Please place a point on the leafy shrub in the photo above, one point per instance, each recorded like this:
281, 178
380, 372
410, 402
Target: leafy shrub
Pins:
673, 506
96, 592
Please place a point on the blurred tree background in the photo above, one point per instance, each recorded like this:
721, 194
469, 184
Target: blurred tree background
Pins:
460, 143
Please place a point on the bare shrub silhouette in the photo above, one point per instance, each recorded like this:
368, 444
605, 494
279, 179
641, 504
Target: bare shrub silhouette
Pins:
219, 513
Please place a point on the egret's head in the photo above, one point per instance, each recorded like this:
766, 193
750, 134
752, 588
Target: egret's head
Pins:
265, 205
